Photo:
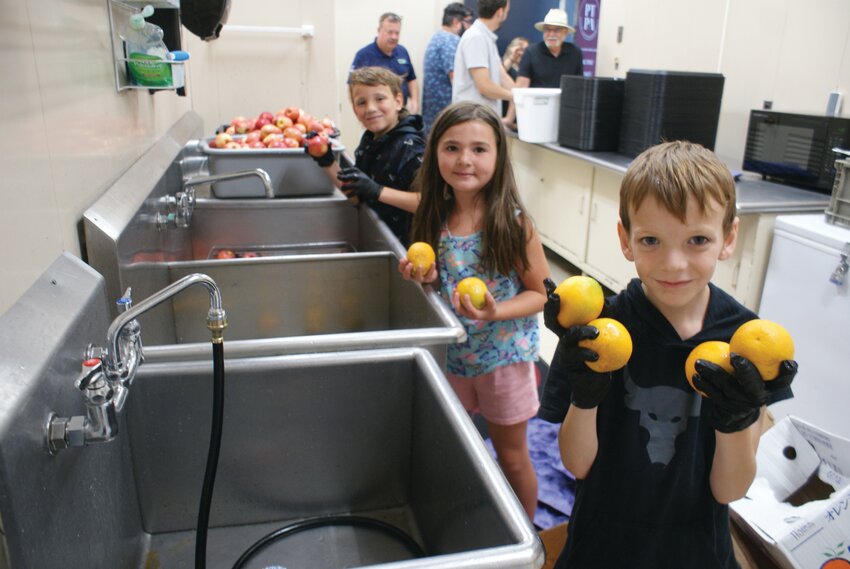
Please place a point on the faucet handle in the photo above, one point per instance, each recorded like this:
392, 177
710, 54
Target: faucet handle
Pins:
125, 303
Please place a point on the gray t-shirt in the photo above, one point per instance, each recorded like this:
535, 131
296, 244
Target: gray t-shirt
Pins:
477, 48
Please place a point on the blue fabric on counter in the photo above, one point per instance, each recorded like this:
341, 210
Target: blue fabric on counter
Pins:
556, 486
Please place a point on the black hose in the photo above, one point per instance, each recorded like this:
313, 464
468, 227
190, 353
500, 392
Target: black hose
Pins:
324, 521
212, 457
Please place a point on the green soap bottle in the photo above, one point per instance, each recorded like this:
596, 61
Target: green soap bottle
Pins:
146, 51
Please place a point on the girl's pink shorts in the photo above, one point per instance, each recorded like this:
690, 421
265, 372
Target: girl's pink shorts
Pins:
505, 396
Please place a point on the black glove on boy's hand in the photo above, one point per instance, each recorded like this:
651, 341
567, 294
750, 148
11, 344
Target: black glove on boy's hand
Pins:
737, 397
570, 380
325, 159
551, 308
357, 183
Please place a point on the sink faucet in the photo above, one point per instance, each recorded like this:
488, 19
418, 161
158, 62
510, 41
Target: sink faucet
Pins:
105, 379
262, 174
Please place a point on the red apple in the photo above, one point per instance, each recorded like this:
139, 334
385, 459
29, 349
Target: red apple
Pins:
282, 121
253, 136
225, 254
256, 144
317, 146
230, 130
277, 142
328, 123
269, 129
290, 143
294, 133
221, 139
293, 113
301, 127
237, 120
249, 255
233, 145
266, 116
261, 123
270, 137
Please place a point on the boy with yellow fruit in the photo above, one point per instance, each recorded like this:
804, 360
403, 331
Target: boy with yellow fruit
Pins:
657, 462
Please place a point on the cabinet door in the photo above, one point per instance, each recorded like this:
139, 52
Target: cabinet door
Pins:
605, 260
568, 184
742, 274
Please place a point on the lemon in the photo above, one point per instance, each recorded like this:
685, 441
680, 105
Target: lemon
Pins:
476, 289
581, 300
613, 344
712, 351
422, 256
765, 343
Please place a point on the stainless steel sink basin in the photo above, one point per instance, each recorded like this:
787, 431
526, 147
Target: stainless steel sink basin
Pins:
374, 433
297, 304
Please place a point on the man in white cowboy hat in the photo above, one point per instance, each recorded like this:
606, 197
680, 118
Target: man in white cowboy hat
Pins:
545, 62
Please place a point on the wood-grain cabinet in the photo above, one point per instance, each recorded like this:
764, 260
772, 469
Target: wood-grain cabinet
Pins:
575, 206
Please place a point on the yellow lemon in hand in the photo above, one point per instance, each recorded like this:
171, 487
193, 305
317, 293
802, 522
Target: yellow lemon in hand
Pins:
475, 288
613, 344
581, 300
765, 344
422, 256
712, 351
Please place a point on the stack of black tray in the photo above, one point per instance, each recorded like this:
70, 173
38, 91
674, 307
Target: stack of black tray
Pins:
669, 105
590, 112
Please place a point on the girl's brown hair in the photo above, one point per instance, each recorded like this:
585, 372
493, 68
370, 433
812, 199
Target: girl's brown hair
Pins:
373, 76
673, 171
506, 226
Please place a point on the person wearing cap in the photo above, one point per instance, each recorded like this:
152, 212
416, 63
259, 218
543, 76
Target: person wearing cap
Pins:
478, 72
386, 52
544, 63
440, 60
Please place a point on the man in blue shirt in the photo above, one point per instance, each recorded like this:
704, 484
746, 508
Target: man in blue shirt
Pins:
386, 52
440, 61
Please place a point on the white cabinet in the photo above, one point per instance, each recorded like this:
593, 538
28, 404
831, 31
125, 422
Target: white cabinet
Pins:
605, 260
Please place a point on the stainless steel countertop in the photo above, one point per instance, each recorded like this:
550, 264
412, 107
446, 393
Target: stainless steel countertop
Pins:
754, 194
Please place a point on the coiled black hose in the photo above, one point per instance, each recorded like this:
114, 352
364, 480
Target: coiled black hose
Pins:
212, 457
324, 521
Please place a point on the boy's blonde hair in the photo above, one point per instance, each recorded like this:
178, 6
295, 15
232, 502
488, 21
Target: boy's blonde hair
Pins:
373, 76
673, 171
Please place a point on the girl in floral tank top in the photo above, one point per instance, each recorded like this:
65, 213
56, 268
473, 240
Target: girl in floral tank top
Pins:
471, 214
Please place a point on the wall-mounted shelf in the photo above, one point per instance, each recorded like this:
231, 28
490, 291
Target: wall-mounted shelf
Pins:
166, 16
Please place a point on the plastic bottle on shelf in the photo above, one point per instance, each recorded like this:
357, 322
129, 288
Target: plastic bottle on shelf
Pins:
178, 73
146, 51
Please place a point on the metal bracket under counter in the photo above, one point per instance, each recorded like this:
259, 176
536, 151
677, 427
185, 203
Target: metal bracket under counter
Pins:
754, 195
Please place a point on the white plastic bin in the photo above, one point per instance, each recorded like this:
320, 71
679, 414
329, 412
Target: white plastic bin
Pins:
537, 113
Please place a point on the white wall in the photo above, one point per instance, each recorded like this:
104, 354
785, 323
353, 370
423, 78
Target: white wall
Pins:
69, 134
789, 52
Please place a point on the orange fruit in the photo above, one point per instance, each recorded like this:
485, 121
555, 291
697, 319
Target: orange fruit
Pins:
613, 344
712, 351
422, 256
581, 300
765, 344
475, 288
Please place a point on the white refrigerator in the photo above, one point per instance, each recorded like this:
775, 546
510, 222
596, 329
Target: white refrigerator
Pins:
807, 290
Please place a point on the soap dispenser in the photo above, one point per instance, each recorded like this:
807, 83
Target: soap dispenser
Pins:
146, 51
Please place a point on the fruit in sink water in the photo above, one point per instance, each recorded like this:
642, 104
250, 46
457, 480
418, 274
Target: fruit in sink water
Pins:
581, 300
476, 289
317, 146
422, 256
712, 351
765, 343
225, 254
613, 344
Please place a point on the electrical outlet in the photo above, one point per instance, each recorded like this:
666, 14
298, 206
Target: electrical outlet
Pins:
767, 105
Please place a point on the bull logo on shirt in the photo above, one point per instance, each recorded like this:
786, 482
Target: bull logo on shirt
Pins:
664, 413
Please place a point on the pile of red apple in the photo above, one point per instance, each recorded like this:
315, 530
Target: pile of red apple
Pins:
288, 128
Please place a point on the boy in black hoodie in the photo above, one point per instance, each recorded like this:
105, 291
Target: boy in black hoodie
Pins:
389, 154
656, 463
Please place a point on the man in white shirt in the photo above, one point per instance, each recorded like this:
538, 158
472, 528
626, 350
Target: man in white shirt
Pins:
478, 72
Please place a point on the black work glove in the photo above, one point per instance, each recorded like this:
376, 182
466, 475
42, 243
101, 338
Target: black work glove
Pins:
357, 183
325, 159
738, 396
570, 380
551, 308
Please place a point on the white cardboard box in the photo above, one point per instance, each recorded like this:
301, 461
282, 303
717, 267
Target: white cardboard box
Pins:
811, 534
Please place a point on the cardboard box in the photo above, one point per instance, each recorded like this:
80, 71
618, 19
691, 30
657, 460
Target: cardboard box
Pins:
553, 539
798, 507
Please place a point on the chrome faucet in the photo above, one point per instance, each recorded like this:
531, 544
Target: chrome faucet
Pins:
107, 373
259, 172
840, 273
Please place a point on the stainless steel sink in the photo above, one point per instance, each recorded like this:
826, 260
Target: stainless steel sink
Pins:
374, 433
297, 304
